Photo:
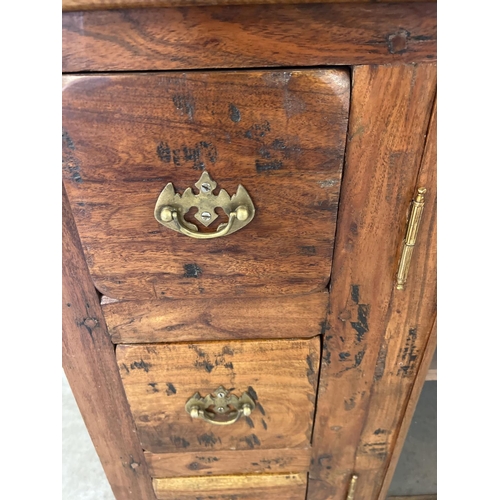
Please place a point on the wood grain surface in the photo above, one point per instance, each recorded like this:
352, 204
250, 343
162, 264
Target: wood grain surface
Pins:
90, 366
251, 487
407, 418
224, 462
280, 375
281, 134
216, 319
249, 36
69, 5
390, 113
410, 342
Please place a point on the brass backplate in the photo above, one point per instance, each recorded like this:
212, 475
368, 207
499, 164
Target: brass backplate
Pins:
171, 208
221, 407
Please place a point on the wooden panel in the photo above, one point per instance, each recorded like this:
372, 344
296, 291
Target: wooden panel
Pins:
249, 36
407, 419
280, 374
216, 319
281, 134
90, 366
408, 325
390, 113
277, 487
228, 462
69, 5
396, 394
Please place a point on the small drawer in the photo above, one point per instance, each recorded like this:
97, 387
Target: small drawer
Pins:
176, 320
269, 486
279, 377
279, 134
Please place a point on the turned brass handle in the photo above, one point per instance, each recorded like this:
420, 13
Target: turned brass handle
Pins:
171, 208
220, 408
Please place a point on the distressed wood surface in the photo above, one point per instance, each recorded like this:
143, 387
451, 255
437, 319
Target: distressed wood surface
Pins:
228, 462
390, 114
216, 319
280, 375
407, 419
281, 134
249, 36
90, 366
409, 322
407, 344
71, 5
251, 487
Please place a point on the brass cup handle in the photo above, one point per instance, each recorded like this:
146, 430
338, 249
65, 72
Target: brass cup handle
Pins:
220, 408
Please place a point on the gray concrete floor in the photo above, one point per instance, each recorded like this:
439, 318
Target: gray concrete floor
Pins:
82, 474
416, 473
84, 479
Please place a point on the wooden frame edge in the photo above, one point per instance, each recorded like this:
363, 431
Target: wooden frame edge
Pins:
90, 366
408, 415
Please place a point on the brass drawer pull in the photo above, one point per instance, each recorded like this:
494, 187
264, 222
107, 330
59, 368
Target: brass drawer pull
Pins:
171, 208
220, 408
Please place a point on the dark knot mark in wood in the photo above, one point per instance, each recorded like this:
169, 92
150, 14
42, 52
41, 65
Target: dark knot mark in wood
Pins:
140, 365
409, 354
170, 389
234, 113
363, 311
251, 441
209, 440
192, 271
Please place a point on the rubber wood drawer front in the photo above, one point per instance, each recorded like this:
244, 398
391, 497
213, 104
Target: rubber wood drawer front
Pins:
275, 487
177, 320
279, 375
280, 134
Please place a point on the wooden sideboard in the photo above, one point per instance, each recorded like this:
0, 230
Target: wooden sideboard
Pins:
263, 341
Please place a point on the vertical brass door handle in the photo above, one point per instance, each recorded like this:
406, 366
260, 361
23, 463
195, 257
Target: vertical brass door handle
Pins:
220, 408
171, 208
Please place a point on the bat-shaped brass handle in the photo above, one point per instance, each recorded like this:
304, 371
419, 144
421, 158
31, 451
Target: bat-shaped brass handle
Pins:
171, 208
220, 408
